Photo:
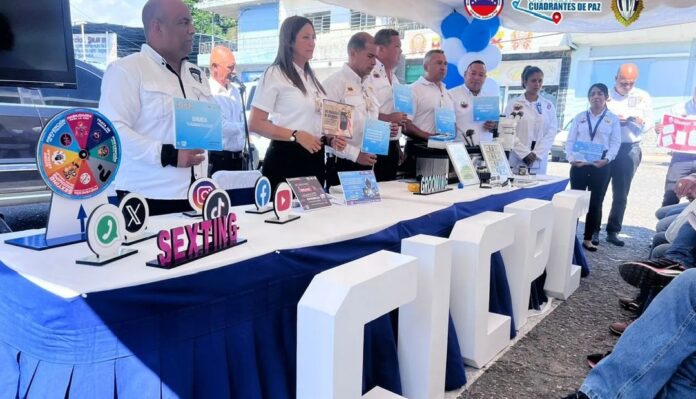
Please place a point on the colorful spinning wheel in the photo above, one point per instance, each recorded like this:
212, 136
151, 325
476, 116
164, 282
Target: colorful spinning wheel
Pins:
78, 153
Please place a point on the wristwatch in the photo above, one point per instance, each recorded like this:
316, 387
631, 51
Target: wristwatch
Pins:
293, 136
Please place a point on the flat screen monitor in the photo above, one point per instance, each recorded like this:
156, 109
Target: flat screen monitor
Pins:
36, 47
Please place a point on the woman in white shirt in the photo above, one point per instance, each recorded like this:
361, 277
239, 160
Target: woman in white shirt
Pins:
537, 126
593, 141
287, 107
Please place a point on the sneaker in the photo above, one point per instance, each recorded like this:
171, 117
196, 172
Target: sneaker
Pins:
595, 238
577, 395
630, 304
619, 327
614, 239
650, 273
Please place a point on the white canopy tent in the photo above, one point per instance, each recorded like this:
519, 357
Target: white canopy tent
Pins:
431, 12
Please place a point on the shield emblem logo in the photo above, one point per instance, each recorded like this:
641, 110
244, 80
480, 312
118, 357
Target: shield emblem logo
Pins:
627, 11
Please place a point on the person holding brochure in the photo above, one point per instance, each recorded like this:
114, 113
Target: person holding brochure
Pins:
537, 126
136, 95
222, 65
287, 108
463, 97
634, 109
593, 142
383, 79
351, 86
429, 96
683, 163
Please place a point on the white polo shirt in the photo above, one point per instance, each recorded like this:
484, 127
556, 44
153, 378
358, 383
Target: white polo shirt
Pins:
379, 80
136, 95
427, 97
636, 104
230, 103
608, 133
538, 123
286, 105
345, 86
463, 100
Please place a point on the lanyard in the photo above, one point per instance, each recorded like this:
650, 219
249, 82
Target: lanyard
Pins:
593, 132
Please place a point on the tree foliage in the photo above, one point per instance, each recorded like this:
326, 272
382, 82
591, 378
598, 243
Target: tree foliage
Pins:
209, 23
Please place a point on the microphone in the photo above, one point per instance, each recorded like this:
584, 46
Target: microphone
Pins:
468, 138
236, 80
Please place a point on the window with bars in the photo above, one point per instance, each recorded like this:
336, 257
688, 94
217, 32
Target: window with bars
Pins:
360, 20
321, 21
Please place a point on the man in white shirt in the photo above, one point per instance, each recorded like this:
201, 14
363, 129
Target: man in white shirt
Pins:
136, 95
351, 86
382, 79
463, 97
633, 106
222, 64
683, 163
429, 94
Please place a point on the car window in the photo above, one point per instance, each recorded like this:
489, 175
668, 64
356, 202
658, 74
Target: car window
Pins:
250, 97
86, 94
9, 95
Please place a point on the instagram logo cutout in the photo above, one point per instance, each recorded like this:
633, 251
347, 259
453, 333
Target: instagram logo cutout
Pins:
199, 191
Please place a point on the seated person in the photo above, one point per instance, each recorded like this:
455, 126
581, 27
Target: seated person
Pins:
656, 357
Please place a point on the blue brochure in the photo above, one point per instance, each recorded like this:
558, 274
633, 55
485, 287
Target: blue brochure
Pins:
444, 124
376, 137
197, 125
359, 187
587, 151
486, 109
403, 99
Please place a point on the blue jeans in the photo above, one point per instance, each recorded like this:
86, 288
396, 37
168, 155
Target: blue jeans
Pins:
656, 356
682, 249
669, 210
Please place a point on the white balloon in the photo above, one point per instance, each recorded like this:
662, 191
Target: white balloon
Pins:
492, 56
454, 49
467, 59
490, 88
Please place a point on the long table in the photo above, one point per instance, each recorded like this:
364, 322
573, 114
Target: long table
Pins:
223, 326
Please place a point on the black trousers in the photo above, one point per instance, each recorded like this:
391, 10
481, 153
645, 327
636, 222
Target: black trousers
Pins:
160, 206
595, 180
286, 159
387, 165
681, 165
226, 160
622, 169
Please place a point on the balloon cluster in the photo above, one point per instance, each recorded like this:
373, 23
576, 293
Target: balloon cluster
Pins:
465, 42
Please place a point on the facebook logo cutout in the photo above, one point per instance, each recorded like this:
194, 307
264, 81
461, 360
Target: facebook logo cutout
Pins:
262, 193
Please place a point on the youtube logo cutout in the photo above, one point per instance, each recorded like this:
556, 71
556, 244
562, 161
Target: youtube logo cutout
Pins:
282, 202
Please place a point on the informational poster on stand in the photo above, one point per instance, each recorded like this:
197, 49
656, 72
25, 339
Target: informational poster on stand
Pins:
486, 108
678, 133
496, 161
309, 192
376, 137
336, 119
462, 164
359, 187
197, 125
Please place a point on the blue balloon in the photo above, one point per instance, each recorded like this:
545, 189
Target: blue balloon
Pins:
492, 25
453, 25
453, 78
476, 37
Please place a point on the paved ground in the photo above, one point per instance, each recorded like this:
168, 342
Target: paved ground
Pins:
549, 362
